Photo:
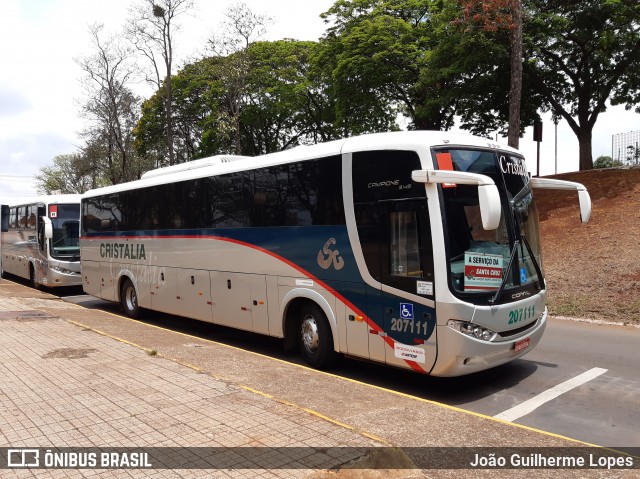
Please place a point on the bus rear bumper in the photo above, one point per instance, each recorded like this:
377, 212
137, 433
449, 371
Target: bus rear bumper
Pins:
460, 354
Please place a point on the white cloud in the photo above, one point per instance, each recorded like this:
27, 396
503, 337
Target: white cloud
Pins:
39, 80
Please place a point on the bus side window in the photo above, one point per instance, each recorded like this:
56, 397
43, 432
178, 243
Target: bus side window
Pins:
392, 218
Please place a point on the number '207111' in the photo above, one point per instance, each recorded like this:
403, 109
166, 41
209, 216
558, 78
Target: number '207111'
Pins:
522, 314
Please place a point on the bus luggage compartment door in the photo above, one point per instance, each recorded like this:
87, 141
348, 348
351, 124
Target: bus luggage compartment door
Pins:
194, 293
240, 300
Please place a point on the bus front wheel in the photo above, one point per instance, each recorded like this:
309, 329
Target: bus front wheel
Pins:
315, 338
129, 299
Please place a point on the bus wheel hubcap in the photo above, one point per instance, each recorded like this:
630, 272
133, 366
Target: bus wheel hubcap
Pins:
310, 336
131, 298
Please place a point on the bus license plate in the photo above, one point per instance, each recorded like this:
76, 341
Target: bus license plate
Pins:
522, 344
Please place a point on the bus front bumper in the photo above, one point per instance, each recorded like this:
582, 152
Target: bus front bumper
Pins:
464, 354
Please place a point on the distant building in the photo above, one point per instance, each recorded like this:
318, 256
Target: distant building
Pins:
625, 147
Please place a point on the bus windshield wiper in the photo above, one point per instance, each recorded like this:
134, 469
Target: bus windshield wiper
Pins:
514, 251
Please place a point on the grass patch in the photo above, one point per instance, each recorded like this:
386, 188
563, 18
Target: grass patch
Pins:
569, 306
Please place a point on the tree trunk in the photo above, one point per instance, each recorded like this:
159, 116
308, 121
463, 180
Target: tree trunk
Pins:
584, 141
515, 91
169, 111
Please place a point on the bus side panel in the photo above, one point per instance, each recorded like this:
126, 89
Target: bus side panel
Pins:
231, 293
22, 265
91, 280
108, 282
352, 326
377, 344
164, 292
194, 293
274, 313
259, 304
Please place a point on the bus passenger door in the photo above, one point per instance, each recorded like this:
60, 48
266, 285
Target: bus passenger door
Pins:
395, 237
407, 252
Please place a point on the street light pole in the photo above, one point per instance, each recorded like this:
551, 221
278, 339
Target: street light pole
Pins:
555, 120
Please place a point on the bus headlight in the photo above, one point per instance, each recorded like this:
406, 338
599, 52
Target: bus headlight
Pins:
59, 269
470, 329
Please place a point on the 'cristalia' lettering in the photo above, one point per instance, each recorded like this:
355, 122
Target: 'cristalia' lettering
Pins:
122, 250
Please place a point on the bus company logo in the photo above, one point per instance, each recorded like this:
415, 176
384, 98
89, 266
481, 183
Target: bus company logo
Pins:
122, 250
328, 257
513, 167
23, 458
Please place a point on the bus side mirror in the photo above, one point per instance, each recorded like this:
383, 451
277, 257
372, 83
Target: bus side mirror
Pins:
583, 194
5, 218
488, 196
48, 227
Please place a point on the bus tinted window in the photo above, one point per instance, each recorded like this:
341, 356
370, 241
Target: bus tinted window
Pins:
297, 194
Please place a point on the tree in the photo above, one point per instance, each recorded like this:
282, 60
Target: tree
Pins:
111, 107
241, 28
606, 162
375, 53
582, 55
283, 104
73, 173
151, 29
201, 122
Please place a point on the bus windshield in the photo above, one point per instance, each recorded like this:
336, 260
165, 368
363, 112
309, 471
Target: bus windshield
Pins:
484, 265
65, 220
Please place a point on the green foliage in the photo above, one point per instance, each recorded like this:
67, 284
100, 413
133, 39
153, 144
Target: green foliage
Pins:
73, 173
373, 56
606, 162
582, 54
268, 89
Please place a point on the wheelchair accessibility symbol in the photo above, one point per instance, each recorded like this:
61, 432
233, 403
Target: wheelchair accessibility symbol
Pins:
406, 310
523, 275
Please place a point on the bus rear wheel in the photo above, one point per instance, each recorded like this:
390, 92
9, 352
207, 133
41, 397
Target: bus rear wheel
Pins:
315, 338
129, 299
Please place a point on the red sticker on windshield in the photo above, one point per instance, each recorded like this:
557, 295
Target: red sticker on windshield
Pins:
53, 211
445, 162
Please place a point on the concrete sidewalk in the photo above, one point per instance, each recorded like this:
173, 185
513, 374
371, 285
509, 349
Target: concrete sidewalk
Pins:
73, 377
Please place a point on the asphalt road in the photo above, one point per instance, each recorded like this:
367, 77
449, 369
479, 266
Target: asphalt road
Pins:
582, 381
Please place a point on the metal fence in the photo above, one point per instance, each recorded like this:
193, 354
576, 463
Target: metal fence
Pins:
625, 147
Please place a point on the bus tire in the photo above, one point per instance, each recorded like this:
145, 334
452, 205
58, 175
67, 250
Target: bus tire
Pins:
129, 299
314, 337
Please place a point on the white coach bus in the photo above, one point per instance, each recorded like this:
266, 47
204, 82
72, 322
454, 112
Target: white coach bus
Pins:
416, 249
41, 240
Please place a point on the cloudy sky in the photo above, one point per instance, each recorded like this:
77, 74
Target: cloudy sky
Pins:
40, 89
